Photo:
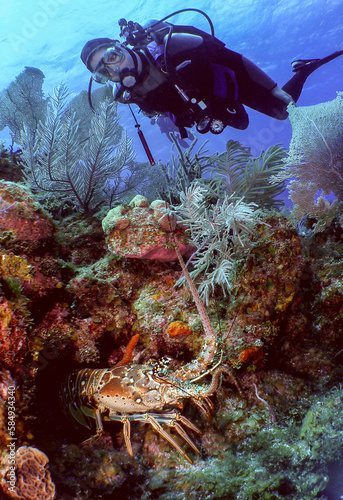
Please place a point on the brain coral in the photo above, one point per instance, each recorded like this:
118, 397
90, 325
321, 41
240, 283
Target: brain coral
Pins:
33, 480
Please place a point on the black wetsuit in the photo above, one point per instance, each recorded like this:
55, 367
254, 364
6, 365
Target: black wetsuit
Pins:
222, 79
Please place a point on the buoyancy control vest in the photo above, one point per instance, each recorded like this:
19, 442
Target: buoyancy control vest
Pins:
182, 76
178, 65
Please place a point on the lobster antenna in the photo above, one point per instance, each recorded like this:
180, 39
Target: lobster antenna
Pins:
210, 335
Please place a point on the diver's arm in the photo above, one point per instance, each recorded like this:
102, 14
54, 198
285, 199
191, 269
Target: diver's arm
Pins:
281, 94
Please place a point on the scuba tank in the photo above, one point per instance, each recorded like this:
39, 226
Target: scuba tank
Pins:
160, 42
163, 41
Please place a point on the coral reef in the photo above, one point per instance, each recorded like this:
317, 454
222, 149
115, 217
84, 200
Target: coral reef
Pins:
66, 303
10, 165
270, 282
25, 226
276, 462
13, 336
141, 231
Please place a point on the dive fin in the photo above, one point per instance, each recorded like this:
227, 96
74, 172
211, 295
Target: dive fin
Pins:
301, 63
312, 64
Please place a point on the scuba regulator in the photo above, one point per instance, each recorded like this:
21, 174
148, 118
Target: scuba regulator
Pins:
161, 32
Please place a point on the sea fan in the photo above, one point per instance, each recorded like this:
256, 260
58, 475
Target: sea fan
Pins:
23, 103
315, 161
59, 163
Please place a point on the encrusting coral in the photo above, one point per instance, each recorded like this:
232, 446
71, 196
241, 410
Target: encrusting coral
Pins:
141, 231
25, 225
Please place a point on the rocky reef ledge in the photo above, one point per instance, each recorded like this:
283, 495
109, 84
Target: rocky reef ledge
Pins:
74, 293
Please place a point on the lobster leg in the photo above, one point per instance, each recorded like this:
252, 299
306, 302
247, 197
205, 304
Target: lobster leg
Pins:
126, 432
186, 422
184, 435
206, 407
151, 420
99, 426
169, 419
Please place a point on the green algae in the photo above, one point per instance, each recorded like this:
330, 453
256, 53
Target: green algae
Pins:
278, 462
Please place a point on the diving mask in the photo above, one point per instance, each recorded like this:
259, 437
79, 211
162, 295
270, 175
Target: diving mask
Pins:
108, 66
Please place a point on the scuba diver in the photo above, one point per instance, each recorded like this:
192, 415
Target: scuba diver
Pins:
190, 76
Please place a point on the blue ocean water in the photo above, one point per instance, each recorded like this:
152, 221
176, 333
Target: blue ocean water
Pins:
49, 35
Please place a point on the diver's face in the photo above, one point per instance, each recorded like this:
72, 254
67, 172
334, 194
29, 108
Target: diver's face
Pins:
107, 64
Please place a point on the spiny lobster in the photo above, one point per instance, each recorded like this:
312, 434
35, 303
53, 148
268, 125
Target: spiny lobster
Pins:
147, 392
